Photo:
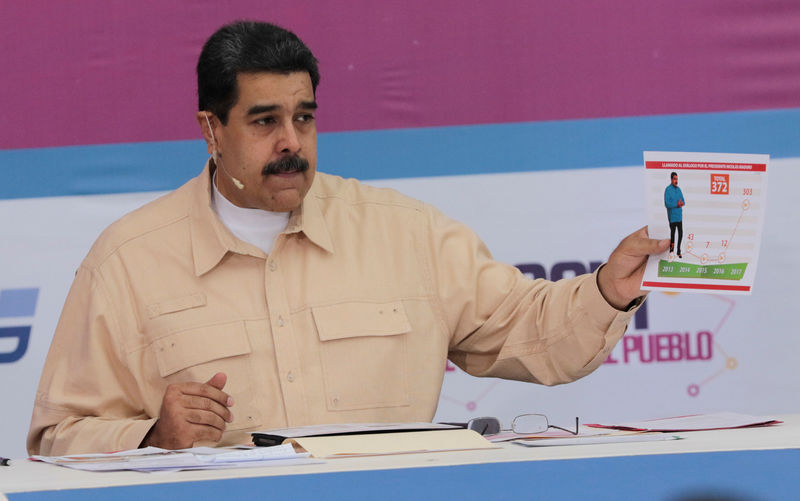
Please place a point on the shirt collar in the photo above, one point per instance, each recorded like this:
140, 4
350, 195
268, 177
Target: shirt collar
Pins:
309, 219
211, 239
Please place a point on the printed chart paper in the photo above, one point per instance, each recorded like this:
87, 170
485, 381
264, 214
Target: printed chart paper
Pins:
711, 207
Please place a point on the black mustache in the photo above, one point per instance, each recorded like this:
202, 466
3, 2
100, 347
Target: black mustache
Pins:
286, 165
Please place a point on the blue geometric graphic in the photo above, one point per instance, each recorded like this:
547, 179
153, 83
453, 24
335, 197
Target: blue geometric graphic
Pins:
23, 335
18, 302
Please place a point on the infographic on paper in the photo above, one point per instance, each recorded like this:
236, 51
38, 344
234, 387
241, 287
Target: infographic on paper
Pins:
711, 208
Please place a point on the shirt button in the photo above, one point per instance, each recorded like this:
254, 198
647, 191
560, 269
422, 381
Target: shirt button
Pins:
280, 321
290, 376
273, 266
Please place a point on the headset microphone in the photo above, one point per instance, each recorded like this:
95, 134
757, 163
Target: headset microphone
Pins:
217, 160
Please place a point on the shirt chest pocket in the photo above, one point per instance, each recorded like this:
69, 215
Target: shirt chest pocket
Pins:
197, 354
364, 354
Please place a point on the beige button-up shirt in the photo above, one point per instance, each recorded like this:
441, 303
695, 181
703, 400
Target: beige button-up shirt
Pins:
351, 318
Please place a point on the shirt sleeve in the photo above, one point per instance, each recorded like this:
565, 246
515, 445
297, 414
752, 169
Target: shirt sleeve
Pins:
87, 399
506, 325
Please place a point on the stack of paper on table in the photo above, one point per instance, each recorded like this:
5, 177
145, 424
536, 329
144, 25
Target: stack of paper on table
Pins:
368, 439
585, 436
609, 438
152, 459
698, 422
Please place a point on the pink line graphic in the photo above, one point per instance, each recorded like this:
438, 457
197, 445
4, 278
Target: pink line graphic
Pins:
730, 362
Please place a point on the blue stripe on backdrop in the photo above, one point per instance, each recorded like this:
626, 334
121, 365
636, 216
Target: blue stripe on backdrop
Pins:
440, 151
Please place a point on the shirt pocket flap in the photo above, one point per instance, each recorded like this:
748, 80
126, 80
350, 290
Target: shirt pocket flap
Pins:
202, 344
355, 319
176, 304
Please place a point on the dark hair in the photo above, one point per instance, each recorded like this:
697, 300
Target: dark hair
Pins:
672, 175
247, 47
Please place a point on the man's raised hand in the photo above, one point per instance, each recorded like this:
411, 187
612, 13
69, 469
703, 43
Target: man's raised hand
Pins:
620, 278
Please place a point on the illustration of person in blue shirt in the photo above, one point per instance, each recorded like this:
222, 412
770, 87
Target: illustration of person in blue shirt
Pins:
674, 202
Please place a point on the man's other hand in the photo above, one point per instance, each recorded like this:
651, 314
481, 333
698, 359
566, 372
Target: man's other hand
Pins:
620, 278
680, 203
191, 412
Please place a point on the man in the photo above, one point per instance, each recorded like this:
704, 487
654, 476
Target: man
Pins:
674, 202
263, 294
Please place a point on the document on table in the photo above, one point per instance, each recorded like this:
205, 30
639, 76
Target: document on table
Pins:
375, 444
585, 436
598, 439
711, 206
368, 439
151, 459
698, 422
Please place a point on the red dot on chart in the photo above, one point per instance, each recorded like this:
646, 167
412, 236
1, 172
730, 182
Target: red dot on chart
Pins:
693, 390
471, 406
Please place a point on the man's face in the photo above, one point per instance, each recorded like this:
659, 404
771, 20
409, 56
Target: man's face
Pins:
268, 141
674, 180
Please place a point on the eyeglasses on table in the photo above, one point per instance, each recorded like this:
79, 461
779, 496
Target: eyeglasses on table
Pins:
524, 424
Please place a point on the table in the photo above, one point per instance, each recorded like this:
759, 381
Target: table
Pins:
745, 464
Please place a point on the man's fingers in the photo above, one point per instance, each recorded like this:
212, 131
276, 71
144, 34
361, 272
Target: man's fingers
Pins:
208, 391
192, 412
196, 416
652, 246
640, 244
204, 433
218, 380
206, 404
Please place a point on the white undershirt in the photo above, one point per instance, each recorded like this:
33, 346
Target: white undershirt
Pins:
254, 226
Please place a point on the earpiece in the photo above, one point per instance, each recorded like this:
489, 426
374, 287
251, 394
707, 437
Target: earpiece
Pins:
215, 156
